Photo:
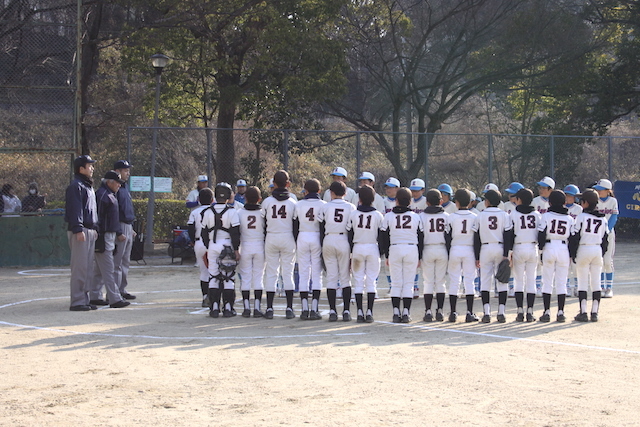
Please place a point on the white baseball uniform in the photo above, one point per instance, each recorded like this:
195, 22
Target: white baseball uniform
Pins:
540, 204
555, 254
418, 205
335, 247
280, 246
450, 207
309, 250
218, 239
592, 229
490, 224
435, 257
404, 228
350, 196
525, 248
608, 207
251, 265
365, 256
195, 218
461, 255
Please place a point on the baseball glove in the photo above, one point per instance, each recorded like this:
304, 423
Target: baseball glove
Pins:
504, 271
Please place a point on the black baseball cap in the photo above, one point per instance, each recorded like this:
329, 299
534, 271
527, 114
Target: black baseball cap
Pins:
121, 164
82, 160
114, 176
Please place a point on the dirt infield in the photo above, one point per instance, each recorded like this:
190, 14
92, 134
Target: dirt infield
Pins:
163, 361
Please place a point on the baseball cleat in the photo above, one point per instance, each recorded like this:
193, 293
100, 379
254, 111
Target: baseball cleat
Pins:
471, 317
360, 318
304, 315
501, 318
346, 316
227, 313
428, 317
246, 313
368, 318
268, 314
594, 317
289, 314
561, 318
453, 317
538, 292
214, 313
396, 318
486, 318
205, 301
520, 317
257, 313
530, 318
608, 293
582, 317
439, 317
545, 318
405, 318
314, 315
333, 316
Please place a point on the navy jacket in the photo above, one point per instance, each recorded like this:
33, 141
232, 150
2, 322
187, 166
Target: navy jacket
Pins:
108, 212
127, 214
80, 206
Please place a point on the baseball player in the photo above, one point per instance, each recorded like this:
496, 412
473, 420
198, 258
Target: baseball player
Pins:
252, 253
194, 226
509, 207
418, 205
461, 256
474, 203
587, 247
241, 188
122, 257
108, 232
483, 204
522, 241
280, 244
81, 215
574, 208
511, 191
448, 205
541, 204
363, 229
402, 242
553, 236
390, 189
608, 205
221, 235
192, 198
434, 255
490, 227
367, 178
340, 174
333, 218
309, 250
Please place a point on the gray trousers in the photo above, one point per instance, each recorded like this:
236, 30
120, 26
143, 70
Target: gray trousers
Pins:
104, 272
82, 255
122, 258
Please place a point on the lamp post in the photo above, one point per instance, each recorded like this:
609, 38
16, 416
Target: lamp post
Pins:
159, 61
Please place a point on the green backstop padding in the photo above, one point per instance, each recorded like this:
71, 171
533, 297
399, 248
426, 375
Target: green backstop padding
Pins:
33, 241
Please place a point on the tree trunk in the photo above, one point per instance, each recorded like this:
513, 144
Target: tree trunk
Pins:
225, 150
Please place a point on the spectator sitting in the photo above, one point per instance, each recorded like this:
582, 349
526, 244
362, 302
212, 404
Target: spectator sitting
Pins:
34, 202
9, 202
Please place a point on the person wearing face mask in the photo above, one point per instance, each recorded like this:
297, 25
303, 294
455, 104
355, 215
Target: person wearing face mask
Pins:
34, 202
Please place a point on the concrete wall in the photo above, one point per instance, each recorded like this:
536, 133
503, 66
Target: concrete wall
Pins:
33, 241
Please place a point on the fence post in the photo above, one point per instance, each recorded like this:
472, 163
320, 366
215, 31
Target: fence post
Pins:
490, 162
610, 142
552, 159
285, 149
358, 157
427, 142
129, 144
209, 154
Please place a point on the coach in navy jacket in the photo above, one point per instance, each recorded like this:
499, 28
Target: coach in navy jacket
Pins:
82, 217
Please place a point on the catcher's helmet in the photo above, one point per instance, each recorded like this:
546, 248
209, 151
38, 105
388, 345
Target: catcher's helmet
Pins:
223, 191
